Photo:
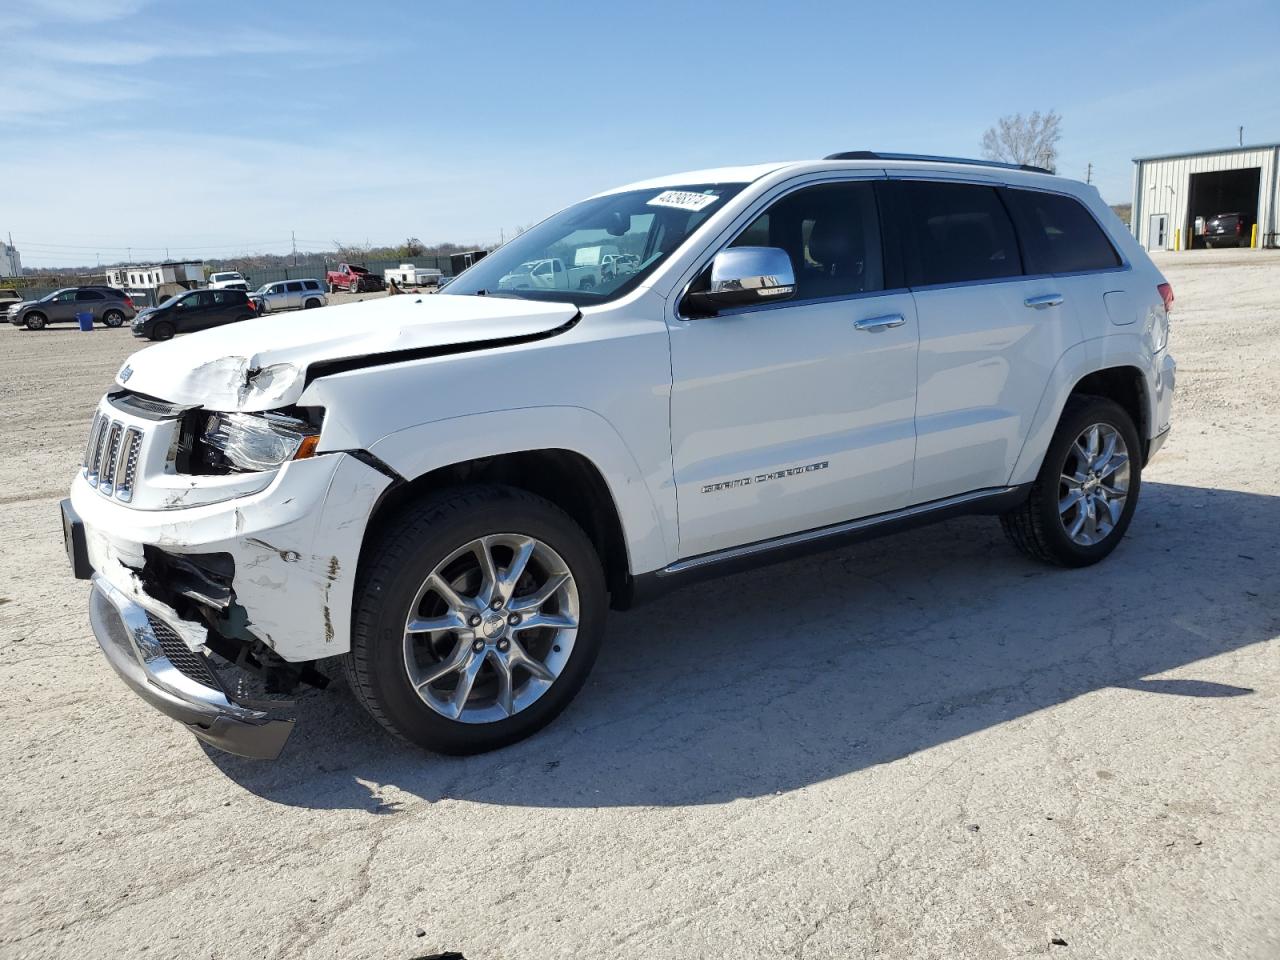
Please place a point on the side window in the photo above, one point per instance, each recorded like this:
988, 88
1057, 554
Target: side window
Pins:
65, 297
294, 286
831, 232
958, 232
83, 296
1059, 235
310, 285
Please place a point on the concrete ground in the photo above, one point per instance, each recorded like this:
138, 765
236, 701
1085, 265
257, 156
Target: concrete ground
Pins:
925, 746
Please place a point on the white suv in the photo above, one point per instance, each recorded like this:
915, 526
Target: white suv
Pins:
448, 492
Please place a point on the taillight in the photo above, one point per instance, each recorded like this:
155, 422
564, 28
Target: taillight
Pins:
129, 300
1239, 227
1166, 294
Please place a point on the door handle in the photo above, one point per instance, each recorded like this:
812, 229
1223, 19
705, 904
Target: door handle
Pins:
880, 323
1048, 300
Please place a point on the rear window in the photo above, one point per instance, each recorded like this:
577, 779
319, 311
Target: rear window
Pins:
311, 284
1059, 235
294, 286
961, 232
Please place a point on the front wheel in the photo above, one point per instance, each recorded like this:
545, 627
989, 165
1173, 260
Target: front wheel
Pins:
35, 321
162, 331
1083, 499
477, 621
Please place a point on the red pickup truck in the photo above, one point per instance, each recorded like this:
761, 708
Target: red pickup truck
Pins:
353, 278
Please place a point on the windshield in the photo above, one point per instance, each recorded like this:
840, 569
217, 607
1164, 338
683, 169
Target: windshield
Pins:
597, 249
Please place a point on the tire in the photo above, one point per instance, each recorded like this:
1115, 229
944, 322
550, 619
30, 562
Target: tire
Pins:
586, 283
35, 321
332, 289
1041, 527
113, 318
432, 535
311, 304
162, 331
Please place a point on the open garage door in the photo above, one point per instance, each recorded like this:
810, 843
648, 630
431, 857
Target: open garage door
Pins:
1223, 192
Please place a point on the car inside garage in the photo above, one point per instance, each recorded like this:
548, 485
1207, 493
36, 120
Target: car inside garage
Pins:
1223, 192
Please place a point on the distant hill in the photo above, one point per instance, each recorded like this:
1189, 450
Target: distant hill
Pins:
1124, 211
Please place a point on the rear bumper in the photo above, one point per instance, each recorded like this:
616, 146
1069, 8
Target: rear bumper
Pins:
125, 631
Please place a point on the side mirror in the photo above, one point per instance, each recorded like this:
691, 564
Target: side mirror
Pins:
741, 276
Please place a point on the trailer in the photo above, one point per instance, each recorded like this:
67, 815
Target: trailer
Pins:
407, 275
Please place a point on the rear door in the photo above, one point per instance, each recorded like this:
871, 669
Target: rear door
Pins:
91, 300
989, 335
293, 293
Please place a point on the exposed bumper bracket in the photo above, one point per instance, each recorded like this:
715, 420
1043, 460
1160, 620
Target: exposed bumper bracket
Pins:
130, 645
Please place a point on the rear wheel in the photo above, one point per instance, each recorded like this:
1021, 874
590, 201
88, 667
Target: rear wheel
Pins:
162, 331
311, 304
35, 321
113, 318
1084, 497
478, 620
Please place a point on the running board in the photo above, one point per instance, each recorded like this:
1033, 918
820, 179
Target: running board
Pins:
647, 586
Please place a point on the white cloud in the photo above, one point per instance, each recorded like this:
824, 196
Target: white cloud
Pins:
78, 11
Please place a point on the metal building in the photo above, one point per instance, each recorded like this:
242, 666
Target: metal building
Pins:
1174, 194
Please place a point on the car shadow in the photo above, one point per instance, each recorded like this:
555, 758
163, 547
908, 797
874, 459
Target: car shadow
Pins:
797, 673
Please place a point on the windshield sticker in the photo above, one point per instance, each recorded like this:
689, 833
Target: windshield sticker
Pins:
683, 200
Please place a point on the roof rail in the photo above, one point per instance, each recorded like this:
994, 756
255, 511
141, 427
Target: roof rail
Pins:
877, 155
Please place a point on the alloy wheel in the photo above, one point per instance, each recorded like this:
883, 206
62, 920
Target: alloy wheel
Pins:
491, 628
1094, 484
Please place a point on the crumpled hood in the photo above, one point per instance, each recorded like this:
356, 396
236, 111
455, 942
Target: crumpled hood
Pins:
261, 364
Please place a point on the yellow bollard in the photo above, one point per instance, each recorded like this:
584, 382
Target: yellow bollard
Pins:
1253, 238
1177, 239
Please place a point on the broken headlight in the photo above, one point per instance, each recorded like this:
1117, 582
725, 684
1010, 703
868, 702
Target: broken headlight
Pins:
258, 441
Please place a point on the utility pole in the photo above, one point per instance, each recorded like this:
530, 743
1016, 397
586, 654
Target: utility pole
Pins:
293, 239
1088, 174
1242, 136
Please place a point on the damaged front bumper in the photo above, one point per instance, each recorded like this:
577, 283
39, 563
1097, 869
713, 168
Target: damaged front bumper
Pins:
150, 658
270, 574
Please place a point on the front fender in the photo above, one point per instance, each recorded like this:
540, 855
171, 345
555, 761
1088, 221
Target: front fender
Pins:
418, 450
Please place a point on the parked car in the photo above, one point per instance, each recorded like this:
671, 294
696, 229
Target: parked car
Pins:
450, 492
1228, 230
228, 280
192, 311
353, 278
108, 305
290, 295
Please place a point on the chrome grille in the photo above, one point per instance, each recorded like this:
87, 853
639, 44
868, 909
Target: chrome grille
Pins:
107, 464
127, 466
91, 446
96, 437
191, 665
111, 457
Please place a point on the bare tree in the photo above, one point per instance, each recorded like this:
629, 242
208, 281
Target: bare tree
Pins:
1019, 139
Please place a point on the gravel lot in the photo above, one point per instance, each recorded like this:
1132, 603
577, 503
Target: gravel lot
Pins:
919, 747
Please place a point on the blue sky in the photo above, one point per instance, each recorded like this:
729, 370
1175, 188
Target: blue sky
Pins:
214, 129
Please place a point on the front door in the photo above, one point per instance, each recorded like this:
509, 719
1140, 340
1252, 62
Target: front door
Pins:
1157, 231
797, 415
